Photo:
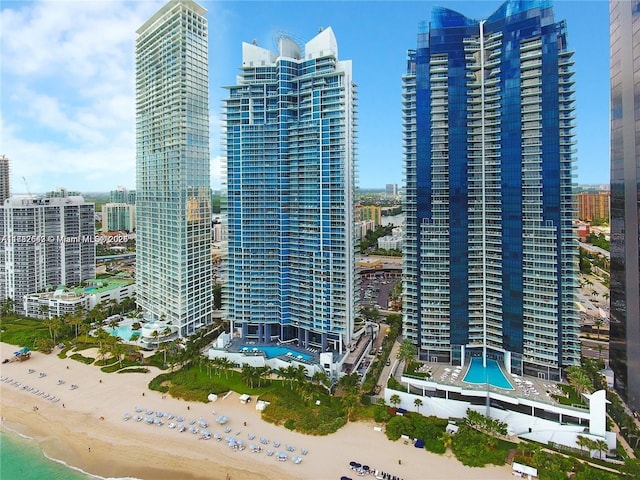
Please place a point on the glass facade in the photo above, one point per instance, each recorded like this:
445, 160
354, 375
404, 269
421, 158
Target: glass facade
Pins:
290, 149
624, 346
173, 211
491, 258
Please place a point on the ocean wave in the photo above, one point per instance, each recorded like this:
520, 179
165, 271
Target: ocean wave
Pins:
61, 462
79, 470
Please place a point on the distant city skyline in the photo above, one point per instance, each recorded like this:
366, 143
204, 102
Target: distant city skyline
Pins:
68, 102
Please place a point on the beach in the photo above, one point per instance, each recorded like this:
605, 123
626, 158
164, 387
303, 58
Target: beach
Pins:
84, 427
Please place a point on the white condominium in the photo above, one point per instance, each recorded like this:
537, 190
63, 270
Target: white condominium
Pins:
173, 211
44, 243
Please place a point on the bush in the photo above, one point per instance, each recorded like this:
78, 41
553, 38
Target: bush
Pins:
434, 445
475, 449
82, 359
290, 424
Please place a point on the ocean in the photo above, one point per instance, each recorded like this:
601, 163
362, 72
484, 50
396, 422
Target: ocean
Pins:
22, 459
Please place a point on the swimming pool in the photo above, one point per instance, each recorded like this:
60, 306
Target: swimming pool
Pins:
272, 351
478, 375
124, 331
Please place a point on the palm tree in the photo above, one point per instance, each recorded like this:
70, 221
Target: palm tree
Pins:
7, 307
290, 373
598, 322
395, 400
56, 325
48, 322
350, 400
113, 323
407, 351
300, 376
582, 441
418, 403
349, 381
226, 364
263, 372
320, 377
118, 350
76, 320
248, 374
579, 380
601, 446
155, 336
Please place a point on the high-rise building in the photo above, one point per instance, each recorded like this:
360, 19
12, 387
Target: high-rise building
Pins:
122, 195
5, 191
47, 242
173, 208
490, 256
624, 344
391, 189
593, 206
290, 149
118, 217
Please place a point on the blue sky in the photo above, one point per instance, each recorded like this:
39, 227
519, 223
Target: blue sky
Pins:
67, 80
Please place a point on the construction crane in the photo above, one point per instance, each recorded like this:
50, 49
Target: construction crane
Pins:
26, 185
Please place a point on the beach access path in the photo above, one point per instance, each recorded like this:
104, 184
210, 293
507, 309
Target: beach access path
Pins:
84, 428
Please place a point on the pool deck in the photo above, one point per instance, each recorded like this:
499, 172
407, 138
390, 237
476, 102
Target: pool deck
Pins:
237, 344
524, 387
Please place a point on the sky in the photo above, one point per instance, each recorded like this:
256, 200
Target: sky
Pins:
67, 96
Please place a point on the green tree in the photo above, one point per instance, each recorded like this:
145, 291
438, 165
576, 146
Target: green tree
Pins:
7, 307
395, 400
418, 403
407, 351
579, 380
44, 345
248, 374
49, 322
601, 446
76, 320
118, 350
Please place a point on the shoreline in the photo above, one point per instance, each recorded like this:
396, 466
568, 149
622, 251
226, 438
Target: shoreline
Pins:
89, 434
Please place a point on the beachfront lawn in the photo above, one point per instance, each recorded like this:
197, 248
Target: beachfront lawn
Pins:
195, 383
293, 403
21, 331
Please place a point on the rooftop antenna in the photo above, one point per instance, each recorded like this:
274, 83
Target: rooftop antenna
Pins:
320, 30
254, 42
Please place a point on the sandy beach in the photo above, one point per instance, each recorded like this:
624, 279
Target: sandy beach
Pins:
85, 428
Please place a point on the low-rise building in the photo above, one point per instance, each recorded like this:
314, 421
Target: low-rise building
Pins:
390, 242
63, 300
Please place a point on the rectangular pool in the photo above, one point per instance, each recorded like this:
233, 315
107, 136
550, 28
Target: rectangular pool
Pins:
478, 375
272, 351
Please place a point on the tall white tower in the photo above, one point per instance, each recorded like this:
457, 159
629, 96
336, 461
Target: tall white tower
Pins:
173, 210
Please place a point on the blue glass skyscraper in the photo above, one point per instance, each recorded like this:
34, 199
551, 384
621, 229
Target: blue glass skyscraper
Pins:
290, 149
491, 259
